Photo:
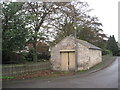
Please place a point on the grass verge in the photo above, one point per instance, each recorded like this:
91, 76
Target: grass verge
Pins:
52, 73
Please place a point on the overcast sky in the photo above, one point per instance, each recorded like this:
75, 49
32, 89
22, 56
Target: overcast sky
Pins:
107, 12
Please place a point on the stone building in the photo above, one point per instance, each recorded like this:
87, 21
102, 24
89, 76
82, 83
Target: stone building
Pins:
73, 54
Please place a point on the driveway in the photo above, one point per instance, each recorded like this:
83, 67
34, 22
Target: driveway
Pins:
106, 78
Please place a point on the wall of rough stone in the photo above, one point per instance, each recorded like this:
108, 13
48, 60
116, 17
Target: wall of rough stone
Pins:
67, 43
82, 57
87, 58
95, 57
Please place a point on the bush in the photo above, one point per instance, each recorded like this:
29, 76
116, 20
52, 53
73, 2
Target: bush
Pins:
29, 56
117, 53
43, 56
40, 56
106, 52
12, 58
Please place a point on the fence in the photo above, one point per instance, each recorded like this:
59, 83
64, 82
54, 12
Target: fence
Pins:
13, 70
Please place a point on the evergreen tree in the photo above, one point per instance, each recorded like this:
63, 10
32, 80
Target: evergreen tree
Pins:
112, 45
14, 32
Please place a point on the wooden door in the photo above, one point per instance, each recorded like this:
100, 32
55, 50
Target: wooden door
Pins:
71, 58
67, 61
64, 61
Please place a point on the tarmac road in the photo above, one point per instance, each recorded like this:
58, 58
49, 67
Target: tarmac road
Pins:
106, 78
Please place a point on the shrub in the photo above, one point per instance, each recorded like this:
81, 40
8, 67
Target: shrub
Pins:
12, 58
43, 56
106, 52
40, 56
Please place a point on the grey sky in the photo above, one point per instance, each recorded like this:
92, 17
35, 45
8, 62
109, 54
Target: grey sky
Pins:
107, 12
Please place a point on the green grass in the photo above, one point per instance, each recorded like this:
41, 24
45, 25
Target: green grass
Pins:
80, 71
97, 65
65, 72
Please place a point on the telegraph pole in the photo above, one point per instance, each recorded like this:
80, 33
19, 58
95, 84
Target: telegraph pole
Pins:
75, 35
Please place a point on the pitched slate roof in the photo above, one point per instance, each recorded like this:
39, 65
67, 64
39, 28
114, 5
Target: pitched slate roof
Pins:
85, 43
89, 45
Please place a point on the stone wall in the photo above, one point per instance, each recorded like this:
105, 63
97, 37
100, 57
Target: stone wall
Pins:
67, 43
82, 57
87, 58
95, 57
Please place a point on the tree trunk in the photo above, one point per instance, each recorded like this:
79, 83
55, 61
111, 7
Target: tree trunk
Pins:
34, 52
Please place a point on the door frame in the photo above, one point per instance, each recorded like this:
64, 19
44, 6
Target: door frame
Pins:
68, 61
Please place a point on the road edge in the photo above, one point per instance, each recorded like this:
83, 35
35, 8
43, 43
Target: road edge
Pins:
105, 66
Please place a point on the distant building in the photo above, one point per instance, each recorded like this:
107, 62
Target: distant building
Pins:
73, 54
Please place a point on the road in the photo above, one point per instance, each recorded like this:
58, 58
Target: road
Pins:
106, 78
119, 72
